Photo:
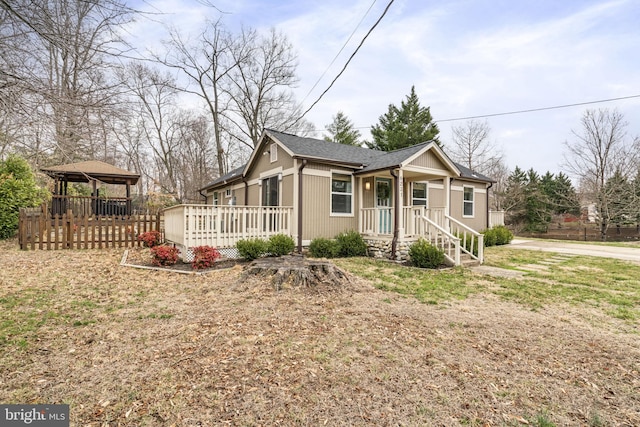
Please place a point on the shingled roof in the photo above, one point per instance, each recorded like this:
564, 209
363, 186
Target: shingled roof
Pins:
363, 159
92, 169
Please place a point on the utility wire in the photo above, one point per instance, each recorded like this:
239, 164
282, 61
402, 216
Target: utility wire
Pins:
532, 110
339, 52
347, 63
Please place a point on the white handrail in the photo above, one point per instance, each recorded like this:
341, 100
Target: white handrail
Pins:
443, 240
473, 235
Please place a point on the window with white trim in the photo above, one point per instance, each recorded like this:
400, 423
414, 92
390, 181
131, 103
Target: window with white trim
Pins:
467, 201
273, 150
216, 201
227, 192
419, 194
341, 194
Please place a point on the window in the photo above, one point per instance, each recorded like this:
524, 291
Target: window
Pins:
228, 192
274, 153
419, 194
467, 202
216, 201
270, 193
341, 194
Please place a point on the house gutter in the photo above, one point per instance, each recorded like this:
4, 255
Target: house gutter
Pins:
302, 166
246, 190
396, 214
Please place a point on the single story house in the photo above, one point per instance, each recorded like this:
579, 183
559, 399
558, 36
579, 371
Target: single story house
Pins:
311, 188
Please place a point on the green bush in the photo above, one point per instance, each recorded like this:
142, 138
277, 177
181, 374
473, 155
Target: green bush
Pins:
280, 244
251, 249
18, 189
490, 237
504, 236
324, 248
350, 244
425, 255
467, 244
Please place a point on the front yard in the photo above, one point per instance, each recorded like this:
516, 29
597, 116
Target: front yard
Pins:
397, 346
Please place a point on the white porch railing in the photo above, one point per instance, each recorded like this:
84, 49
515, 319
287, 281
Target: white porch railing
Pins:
223, 226
470, 240
379, 221
376, 221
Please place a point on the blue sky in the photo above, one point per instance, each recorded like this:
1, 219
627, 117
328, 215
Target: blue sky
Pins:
465, 58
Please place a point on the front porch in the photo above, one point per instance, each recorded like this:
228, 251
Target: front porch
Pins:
188, 226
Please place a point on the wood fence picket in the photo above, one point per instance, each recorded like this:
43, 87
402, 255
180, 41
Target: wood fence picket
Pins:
37, 230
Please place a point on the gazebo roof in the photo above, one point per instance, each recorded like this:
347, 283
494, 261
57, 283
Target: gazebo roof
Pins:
92, 170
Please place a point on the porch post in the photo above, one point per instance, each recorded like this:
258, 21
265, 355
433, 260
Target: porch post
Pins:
447, 202
360, 198
400, 201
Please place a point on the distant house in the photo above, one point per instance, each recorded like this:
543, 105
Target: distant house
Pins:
313, 188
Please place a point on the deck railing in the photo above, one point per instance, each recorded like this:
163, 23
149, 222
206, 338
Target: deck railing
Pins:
223, 226
471, 242
90, 205
379, 221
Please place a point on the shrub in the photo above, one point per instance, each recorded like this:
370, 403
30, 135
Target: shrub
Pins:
280, 244
467, 244
490, 237
164, 255
351, 244
424, 255
204, 257
18, 189
150, 238
503, 235
251, 249
324, 248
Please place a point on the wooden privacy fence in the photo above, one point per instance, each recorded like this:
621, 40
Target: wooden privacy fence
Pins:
38, 230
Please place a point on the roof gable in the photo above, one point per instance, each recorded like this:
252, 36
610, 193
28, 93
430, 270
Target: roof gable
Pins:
361, 159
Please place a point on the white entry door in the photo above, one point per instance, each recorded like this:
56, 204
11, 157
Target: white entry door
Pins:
383, 205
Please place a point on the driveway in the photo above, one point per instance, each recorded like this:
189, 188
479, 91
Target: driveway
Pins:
623, 253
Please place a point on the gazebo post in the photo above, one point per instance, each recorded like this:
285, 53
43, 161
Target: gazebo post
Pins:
128, 198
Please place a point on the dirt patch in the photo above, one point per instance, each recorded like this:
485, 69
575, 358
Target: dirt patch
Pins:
132, 347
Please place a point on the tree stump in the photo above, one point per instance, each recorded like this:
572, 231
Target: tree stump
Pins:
296, 271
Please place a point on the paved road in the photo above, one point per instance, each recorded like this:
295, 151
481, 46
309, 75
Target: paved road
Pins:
623, 253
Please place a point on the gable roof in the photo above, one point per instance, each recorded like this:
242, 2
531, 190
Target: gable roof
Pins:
92, 169
363, 159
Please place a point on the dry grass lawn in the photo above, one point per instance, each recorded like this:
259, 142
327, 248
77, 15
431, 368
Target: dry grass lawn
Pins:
129, 347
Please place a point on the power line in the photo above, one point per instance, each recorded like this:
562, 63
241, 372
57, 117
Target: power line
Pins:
532, 110
347, 63
340, 51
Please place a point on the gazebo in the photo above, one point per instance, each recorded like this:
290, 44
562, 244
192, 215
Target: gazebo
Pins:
91, 171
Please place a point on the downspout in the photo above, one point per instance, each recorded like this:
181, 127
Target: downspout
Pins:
304, 163
396, 214
488, 188
246, 190
204, 196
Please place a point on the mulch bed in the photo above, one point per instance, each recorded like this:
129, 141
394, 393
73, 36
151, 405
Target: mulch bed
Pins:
141, 257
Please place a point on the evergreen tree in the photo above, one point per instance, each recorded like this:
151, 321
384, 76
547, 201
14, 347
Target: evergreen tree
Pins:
342, 131
403, 127
18, 189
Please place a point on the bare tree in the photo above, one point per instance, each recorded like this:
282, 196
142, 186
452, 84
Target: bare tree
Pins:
243, 80
206, 63
261, 87
156, 118
472, 148
600, 151
62, 61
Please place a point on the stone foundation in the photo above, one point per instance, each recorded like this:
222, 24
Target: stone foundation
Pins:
382, 249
